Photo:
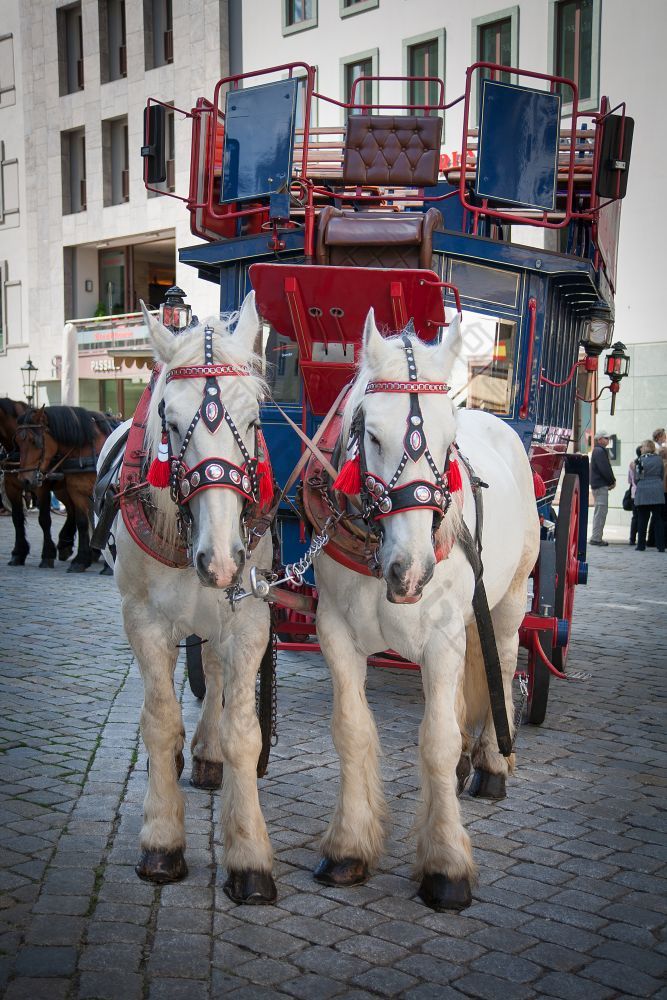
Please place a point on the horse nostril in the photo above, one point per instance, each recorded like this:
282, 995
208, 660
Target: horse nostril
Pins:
201, 564
428, 573
397, 571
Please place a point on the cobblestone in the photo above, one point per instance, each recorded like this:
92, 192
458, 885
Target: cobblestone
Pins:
571, 896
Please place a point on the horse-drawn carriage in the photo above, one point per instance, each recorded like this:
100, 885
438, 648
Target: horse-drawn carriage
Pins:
325, 222
379, 426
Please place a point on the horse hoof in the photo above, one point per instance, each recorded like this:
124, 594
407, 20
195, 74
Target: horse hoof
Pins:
64, 554
252, 888
206, 774
106, 571
442, 893
463, 769
47, 564
17, 561
349, 871
162, 867
76, 568
485, 785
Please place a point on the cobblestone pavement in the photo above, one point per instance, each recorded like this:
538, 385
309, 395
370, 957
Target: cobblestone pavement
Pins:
571, 897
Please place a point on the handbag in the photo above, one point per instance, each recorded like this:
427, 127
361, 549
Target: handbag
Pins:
628, 502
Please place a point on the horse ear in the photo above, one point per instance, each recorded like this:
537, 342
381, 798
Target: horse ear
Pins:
449, 348
162, 339
248, 324
372, 342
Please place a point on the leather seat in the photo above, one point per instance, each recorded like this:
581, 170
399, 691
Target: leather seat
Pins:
376, 239
384, 151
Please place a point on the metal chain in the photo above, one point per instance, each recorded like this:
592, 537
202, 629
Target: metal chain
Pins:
274, 688
521, 707
295, 572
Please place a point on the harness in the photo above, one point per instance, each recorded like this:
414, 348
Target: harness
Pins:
62, 464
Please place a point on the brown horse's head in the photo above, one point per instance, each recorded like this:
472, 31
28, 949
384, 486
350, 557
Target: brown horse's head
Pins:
10, 411
37, 447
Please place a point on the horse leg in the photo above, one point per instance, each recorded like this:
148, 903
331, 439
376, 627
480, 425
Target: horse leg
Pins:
248, 854
444, 854
48, 548
21, 544
162, 837
354, 840
68, 530
207, 740
82, 559
491, 768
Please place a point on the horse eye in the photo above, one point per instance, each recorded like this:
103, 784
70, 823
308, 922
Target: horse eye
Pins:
253, 423
375, 441
173, 427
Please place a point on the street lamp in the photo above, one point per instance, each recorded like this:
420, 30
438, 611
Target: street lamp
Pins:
28, 373
174, 313
617, 367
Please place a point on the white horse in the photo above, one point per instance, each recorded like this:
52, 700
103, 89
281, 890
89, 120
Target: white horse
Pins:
161, 605
423, 610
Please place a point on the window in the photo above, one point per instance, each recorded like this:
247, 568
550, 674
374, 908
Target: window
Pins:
70, 49
576, 34
158, 33
483, 374
113, 43
299, 15
348, 7
9, 190
73, 166
7, 78
354, 67
115, 160
3, 342
494, 45
424, 56
170, 157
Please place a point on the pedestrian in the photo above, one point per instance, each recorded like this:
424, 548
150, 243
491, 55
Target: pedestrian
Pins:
633, 472
602, 480
660, 438
650, 497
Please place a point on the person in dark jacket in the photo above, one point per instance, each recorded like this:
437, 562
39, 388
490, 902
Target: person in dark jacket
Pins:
650, 497
602, 480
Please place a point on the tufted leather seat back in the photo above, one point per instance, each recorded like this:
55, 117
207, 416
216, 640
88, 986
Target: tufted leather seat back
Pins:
375, 239
392, 149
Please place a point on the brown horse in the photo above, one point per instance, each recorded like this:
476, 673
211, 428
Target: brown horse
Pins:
14, 491
60, 444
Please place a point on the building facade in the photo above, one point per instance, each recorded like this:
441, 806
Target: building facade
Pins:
79, 234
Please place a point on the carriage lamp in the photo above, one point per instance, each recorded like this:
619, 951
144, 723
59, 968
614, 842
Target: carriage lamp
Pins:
616, 367
28, 374
598, 331
174, 312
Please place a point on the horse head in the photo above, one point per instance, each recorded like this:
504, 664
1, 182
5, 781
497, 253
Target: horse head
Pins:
10, 411
204, 421
37, 448
403, 427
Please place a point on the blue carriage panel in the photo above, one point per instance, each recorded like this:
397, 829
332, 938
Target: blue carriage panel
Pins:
519, 132
259, 141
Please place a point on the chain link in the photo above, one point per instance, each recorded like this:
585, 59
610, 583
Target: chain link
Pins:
521, 707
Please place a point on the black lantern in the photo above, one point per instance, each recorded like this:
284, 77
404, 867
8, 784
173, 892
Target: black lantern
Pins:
28, 373
598, 331
174, 312
616, 367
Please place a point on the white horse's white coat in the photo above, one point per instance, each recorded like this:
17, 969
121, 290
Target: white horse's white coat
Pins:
356, 617
161, 606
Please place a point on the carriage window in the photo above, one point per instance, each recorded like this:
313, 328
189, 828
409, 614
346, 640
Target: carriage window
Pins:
282, 366
483, 377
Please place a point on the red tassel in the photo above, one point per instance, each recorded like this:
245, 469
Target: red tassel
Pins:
538, 486
265, 484
348, 479
160, 468
454, 481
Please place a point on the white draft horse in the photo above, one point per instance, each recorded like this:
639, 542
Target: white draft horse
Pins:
423, 608
161, 606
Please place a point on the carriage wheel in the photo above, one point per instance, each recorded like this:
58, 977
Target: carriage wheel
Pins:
567, 559
538, 675
195, 666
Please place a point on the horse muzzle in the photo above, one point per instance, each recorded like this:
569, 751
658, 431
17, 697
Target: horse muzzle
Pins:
406, 582
219, 572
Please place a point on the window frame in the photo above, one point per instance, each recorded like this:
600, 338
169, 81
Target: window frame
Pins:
306, 25
439, 35
345, 61
9, 37
589, 103
507, 13
357, 8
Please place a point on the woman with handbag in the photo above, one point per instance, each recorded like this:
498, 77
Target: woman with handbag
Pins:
650, 497
629, 495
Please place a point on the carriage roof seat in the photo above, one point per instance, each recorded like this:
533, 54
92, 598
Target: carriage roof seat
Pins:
384, 151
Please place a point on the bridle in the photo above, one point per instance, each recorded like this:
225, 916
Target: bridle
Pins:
379, 499
39, 432
186, 482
